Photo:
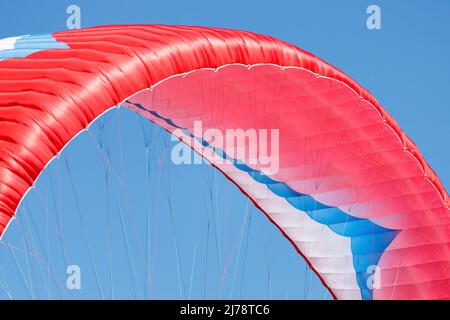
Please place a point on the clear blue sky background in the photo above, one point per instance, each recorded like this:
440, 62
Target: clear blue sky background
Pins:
91, 207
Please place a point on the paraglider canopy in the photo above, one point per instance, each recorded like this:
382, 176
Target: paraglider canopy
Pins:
351, 191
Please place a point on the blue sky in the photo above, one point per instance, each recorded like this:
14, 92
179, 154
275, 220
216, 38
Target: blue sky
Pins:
206, 239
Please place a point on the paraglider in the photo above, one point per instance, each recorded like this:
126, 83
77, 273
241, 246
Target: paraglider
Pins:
351, 192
